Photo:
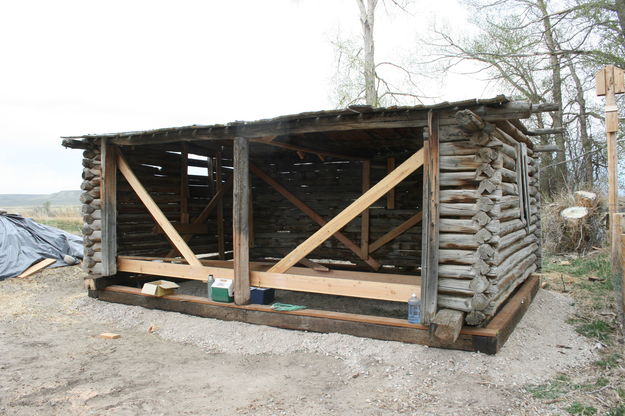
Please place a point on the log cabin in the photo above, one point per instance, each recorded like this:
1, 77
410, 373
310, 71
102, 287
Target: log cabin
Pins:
367, 203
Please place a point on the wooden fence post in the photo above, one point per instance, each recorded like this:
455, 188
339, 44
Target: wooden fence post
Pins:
611, 81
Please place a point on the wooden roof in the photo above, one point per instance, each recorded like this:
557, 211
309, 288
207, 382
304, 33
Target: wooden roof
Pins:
327, 130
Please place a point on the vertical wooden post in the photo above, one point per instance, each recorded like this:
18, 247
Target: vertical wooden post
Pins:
240, 219
429, 243
390, 197
364, 224
251, 216
108, 201
221, 245
611, 81
184, 183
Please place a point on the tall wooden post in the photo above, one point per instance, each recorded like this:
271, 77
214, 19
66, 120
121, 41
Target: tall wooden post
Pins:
611, 81
240, 221
108, 198
429, 243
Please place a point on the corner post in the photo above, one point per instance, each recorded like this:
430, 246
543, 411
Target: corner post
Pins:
108, 198
429, 243
240, 221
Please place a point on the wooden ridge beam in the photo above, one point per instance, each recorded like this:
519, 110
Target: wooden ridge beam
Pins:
351, 212
172, 235
396, 232
313, 215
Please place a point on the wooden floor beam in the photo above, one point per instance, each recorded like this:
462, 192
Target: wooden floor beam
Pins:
381, 286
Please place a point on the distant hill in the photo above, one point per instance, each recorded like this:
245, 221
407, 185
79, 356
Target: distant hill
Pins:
33, 200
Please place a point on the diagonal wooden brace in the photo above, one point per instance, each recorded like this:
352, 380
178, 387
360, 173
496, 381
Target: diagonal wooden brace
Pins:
352, 211
313, 215
156, 212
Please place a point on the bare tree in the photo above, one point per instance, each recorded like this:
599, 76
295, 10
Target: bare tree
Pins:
358, 76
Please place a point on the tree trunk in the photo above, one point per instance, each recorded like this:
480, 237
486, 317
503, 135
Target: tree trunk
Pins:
587, 171
367, 14
559, 171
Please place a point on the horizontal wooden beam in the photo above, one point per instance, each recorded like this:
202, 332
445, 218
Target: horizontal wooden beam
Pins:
352, 211
341, 284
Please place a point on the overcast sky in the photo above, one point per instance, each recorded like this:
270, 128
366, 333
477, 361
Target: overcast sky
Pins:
76, 67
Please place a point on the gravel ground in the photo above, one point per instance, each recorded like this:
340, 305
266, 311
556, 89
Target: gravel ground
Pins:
53, 362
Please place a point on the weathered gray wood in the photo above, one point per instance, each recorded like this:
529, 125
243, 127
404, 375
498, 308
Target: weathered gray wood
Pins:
108, 215
447, 325
240, 221
430, 251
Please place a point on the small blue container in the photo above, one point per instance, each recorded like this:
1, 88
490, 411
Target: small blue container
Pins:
262, 295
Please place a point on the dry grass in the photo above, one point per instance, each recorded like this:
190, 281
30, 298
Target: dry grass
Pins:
66, 218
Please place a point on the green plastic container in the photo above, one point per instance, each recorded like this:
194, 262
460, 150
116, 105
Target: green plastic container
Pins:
222, 291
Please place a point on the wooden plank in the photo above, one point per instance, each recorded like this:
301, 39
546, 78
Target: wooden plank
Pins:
156, 212
40, 265
184, 183
349, 213
330, 284
430, 250
223, 268
365, 218
108, 207
396, 232
315, 266
313, 215
390, 196
221, 245
240, 221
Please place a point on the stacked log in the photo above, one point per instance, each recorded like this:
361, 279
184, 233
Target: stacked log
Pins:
486, 249
91, 210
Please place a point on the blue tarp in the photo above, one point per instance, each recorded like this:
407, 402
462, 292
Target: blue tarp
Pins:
24, 242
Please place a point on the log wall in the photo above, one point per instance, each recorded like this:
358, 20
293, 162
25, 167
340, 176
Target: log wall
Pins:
486, 249
91, 209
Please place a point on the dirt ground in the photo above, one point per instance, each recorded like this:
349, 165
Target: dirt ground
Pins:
52, 362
